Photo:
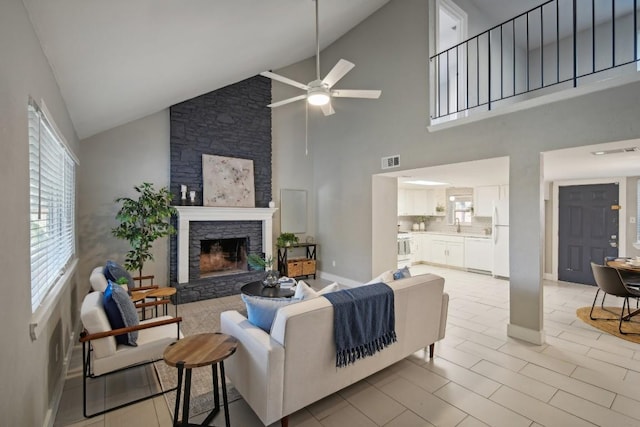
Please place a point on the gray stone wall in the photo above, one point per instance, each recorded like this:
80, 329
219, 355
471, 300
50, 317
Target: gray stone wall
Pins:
233, 122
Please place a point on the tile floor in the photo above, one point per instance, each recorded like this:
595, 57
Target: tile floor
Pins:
479, 376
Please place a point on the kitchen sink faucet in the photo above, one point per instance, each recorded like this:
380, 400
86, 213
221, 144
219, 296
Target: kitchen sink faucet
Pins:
457, 224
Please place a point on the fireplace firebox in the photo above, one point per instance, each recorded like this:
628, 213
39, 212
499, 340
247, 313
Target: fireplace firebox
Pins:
220, 257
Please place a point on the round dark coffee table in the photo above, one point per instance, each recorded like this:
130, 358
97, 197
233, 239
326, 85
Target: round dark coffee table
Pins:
257, 289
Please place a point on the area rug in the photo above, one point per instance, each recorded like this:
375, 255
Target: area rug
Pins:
199, 317
610, 325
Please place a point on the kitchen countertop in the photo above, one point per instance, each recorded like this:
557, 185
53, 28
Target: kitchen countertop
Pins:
449, 233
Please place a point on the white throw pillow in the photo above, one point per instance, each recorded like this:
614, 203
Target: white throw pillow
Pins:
385, 277
304, 291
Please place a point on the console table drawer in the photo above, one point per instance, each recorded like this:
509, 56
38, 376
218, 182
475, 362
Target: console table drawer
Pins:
308, 267
294, 268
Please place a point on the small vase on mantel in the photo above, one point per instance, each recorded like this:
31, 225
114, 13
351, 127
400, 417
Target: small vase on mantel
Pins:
271, 279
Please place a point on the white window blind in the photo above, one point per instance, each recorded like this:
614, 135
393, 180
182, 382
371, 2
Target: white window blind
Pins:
52, 171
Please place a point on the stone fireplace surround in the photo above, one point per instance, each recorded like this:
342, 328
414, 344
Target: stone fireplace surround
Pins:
233, 121
195, 222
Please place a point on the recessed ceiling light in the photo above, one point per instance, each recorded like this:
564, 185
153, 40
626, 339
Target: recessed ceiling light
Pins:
615, 151
424, 182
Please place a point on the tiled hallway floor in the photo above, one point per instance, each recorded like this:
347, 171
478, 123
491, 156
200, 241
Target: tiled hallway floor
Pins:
580, 377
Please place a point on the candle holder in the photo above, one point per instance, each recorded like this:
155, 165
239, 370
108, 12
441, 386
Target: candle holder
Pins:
192, 196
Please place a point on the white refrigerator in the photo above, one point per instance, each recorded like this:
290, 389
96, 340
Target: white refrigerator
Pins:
500, 235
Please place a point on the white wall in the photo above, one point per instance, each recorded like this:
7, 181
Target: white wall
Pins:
29, 374
113, 162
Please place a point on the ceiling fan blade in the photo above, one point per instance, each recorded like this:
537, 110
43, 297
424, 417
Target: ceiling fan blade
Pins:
327, 109
284, 80
287, 101
337, 72
356, 93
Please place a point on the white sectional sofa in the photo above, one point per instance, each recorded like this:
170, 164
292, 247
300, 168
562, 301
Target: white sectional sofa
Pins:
295, 365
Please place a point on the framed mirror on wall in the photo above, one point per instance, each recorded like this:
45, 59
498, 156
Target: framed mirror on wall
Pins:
293, 211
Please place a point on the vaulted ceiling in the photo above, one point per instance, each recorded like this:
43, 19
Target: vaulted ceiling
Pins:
120, 60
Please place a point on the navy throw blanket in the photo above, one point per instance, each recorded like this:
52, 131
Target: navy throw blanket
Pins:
363, 321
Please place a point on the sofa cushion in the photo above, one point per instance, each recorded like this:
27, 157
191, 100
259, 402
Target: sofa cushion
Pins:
304, 291
113, 271
384, 277
261, 311
121, 312
402, 273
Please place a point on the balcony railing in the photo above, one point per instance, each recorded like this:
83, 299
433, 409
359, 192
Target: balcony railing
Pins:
557, 45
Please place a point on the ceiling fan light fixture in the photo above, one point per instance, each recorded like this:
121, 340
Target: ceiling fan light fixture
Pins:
318, 96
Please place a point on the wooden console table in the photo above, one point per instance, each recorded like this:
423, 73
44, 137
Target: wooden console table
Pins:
297, 267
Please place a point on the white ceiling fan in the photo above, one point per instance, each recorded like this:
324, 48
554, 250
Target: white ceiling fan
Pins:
320, 92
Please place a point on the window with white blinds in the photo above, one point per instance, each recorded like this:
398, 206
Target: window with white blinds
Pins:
52, 170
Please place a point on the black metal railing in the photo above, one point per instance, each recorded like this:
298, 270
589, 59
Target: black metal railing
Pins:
559, 44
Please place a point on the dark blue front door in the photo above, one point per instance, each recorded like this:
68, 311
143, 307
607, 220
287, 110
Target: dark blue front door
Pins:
587, 229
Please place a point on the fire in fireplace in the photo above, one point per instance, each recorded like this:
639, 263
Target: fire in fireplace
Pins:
223, 256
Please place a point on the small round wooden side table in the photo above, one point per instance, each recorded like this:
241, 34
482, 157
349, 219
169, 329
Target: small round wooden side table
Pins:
164, 292
193, 352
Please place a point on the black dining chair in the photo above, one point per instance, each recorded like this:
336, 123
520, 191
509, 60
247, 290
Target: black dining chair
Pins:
610, 282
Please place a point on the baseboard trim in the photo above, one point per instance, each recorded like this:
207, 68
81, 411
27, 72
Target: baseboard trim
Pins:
548, 276
525, 334
341, 280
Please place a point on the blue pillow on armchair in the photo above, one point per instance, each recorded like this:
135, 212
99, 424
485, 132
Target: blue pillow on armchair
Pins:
113, 271
121, 312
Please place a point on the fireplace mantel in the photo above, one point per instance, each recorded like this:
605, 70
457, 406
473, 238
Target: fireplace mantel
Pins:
187, 214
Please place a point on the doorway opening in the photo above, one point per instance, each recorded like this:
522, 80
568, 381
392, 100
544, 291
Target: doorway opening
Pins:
451, 24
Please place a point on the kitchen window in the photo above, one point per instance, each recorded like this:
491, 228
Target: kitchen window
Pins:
460, 209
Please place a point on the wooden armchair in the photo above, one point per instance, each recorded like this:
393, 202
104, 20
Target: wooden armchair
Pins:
101, 355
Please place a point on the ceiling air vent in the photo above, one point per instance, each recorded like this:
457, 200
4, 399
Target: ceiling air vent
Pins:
391, 162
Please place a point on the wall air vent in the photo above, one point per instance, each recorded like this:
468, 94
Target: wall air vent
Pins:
391, 162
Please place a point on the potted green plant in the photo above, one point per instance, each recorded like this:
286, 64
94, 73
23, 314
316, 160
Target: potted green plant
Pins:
286, 239
257, 262
143, 221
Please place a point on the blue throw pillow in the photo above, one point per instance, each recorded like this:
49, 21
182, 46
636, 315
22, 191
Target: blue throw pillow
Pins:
113, 271
401, 273
121, 312
262, 311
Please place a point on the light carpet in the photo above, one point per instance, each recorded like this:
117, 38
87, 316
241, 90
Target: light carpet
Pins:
608, 322
199, 317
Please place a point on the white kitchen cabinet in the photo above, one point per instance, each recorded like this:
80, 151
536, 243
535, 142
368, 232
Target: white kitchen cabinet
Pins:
412, 202
434, 198
448, 250
422, 244
483, 198
418, 202
478, 253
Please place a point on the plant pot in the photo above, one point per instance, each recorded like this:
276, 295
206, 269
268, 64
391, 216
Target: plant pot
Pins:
271, 279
